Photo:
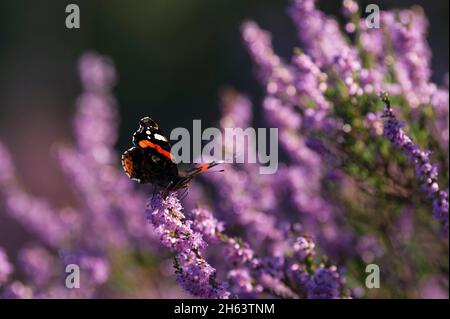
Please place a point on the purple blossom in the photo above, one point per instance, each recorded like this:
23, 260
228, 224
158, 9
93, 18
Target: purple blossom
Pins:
440, 209
242, 283
197, 277
237, 110
108, 217
170, 224
325, 284
34, 213
97, 267
349, 7
277, 77
426, 172
369, 248
247, 274
319, 34
299, 85
408, 30
206, 224
6, 268
38, 264
440, 126
194, 273
303, 248
17, 290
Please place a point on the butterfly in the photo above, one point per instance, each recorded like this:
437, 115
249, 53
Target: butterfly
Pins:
150, 159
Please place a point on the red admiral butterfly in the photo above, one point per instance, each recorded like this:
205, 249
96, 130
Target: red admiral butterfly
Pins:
150, 160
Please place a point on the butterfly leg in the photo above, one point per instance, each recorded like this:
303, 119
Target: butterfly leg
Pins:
184, 193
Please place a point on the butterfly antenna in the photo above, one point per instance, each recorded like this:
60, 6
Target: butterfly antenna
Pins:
216, 171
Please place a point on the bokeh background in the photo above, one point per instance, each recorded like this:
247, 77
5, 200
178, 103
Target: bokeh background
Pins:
173, 58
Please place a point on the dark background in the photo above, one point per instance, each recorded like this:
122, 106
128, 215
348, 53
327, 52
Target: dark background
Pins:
172, 57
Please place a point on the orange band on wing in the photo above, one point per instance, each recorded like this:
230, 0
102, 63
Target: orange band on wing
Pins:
203, 167
147, 143
127, 164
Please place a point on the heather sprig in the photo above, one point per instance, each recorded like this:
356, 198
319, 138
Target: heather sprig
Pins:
107, 218
426, 172
247, 274
251, 274
6, 268
193, 272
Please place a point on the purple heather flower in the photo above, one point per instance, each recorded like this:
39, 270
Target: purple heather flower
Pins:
303, 248
408, 30
242, 283
276, 286
374, 124
249, 275
404, 224
369, 248
194, 273
433, 287
347, 65
372, 41
113, 206
426, 172
349, 7
440, 209
310, 81
197, 277
243, 202
34, 213
277, 77
97, 267
97, 72
325, 283
94, 268
319, 34
205, 223
17, 290
440, 126
236, 110
299, 85
38, 264
170, 224
238, 253
6, 167
6, 268
293, 142
280, 115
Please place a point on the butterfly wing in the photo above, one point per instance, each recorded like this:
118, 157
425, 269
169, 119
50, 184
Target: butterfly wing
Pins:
149, 131
150, 160
133, 163
149, 166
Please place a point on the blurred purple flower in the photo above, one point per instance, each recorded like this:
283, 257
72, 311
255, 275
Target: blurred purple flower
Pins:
6, 268
426, 172
193, 272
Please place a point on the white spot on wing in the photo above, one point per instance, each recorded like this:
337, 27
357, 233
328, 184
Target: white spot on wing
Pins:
160, 137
